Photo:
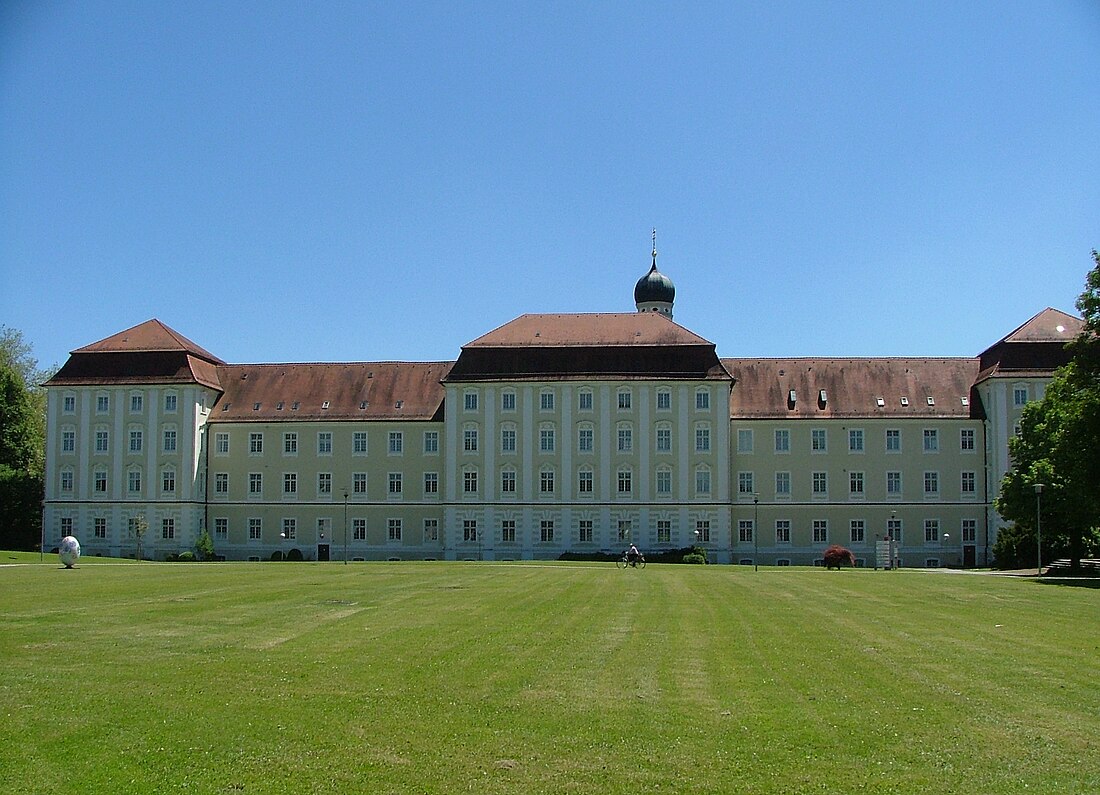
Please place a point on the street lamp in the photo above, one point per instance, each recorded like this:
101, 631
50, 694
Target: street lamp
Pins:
755, 531
345, 527
946, 541
1039, 529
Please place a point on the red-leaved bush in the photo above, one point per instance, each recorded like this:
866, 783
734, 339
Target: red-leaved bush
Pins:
837, 556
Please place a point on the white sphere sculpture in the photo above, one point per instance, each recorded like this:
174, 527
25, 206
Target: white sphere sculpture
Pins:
69, 551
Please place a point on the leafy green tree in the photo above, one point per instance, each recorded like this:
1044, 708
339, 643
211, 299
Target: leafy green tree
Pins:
22, 442
1059, 447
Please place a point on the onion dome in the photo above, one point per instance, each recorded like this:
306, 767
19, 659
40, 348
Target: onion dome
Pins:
654, 292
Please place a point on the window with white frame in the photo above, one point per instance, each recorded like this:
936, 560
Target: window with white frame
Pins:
546, 401
855, 484
624, 399
745, 484
167, 529
782, 531
136, 402
469, 401
893, 529
931, 440
782, 440
359, 484
820, 484
966, 440
931, 484
255, 443
585, 435
68, 404
290, 484
469, 439
546, 482
170, 402
664, 482
819, 440
931, 531
702, 531
584, 481
431, 530
625, 482
290, 443
394, 484
508, 439
168, 480
324, 484
664, 438
396, 443
102, 404
547, 440
702, 400
68, 441
431, 484
221, 443
625, 435
102, 441
508, 481
290, 529
702, 439
469, 530
969, 531
255, 529
546, 531
584, 531
255, 484
469, 481
664, 400
66, 480
431, 442
221, 529
508, 401
358, 529
821, 531
893, 440
702, 480
508, 531
664, 531
133, 482
169, 440
1019, 395
744, 440
625, 529
221, 484
782, 485
584, 400
136, 440
744, 530
359, 443
393, 529
324, 443
857, 531
893, 484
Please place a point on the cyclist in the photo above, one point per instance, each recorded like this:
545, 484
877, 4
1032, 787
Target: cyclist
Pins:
633, 555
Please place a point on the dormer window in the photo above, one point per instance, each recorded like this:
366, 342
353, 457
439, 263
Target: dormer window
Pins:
255, 406
905, 401
362, 404
931, 401
880, 402
324, 406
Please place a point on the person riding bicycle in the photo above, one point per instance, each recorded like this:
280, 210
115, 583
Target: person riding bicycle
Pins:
633, 555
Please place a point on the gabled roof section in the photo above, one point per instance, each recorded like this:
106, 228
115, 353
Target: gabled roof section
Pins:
150, 336
632, 346
312, 392
1034, 349
862, 388
588, 330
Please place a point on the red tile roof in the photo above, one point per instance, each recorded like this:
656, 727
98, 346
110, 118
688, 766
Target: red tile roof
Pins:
152, 335
588, 330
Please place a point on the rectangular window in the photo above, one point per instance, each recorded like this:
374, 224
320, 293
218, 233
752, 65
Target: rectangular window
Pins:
168, 529
469, 401
546, 401
821, 531
469, 530
393, 529
744, 440
168, 481
358, 529
221, 484
255, 483
782, 531
584, 531
508, 482
702, 481
359, 483
546, 481
290, 444
135, 404
255, 444
431, 482
931, 440
221, 529
624, 401
584, 401
431, 530
969, 484
820, 484
893, 440
819, 441
893, 484
290, 483
68, 441
931, 484
324, 484
626, 440
135, 441
508, 401
102, 443
893, 529
664, 482
133, 481
664, 400
857, 531
584, 440
782, 484
102, 404
546, 531
469, 440
664, 440
221, 444
169, 440
546, 440
969, 530
626, 529
469, 482
170, 402
782, 441
664, 531
67, 480
855, 484
584, 481
507, 440
394, 487
324, 443
100, 527
702, 440
396, 443
745, 483
702, 531
702, 400
966, 439
855, 440
359, 443
431, 442
255, 529
625, 481
290, 529
744, 530
931, 531
1019, 396
508, 531
68, 404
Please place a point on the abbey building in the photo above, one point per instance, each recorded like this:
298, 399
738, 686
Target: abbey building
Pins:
553, 433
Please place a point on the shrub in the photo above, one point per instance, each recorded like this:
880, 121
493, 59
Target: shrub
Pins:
837, 556
187, 556
205, 546
693, 558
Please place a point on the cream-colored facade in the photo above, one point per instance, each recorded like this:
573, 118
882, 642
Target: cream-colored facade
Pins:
553, 434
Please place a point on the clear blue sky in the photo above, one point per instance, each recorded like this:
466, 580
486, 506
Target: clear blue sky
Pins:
389, 180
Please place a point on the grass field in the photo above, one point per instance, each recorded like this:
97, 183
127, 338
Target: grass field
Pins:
527, 678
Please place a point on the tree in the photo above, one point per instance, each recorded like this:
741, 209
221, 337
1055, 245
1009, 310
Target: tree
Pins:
22, 443
1059, 447
138, 528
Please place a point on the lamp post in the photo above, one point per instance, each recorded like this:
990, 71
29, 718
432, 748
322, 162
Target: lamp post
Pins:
345, 527
1039, 529
755, 531
946, 541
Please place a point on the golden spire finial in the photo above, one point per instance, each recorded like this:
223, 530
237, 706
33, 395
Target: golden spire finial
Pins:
655, 247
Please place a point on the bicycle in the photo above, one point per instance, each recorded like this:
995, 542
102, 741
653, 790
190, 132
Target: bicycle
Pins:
625, 561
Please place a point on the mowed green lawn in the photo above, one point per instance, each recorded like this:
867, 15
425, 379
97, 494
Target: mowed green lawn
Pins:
527, 678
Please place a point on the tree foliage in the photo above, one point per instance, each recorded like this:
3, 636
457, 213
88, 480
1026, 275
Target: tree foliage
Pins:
1059, 447
22, 442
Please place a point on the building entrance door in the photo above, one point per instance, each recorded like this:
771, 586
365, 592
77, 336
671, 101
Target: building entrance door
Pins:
322, 552
969, 556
